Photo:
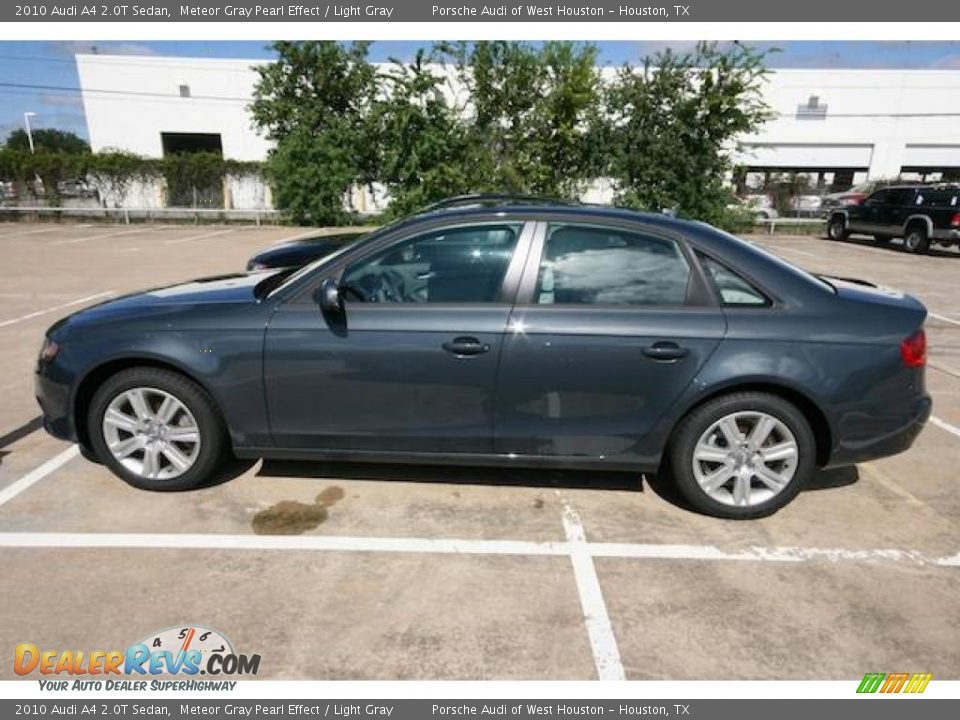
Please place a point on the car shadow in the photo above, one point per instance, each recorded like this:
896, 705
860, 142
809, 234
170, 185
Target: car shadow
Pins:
897, 246
666, 489
659, 484
457, 475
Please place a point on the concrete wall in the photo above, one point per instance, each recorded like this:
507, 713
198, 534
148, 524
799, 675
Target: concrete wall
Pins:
873, 118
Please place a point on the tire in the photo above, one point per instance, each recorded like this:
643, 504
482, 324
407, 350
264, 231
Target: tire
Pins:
837, 228
741, 493
89, 454
165, 455
916, 240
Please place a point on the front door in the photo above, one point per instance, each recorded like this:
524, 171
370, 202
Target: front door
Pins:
410, 363
603, 340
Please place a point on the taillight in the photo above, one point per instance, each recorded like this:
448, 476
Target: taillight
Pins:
913, 350
955, 220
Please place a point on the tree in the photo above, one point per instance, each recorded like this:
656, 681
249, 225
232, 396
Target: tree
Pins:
314, 101
423, 148
673, 122
49, 140
532, 114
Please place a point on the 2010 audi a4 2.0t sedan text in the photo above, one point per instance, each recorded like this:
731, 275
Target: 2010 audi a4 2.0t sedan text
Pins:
518, 334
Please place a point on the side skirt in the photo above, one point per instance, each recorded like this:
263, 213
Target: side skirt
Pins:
560, 462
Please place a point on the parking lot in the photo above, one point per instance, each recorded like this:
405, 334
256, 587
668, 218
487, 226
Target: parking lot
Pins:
399, 572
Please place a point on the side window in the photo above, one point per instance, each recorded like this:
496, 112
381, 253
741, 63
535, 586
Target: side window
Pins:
734, 290
880, 197
902, 197
452, 265
586, 265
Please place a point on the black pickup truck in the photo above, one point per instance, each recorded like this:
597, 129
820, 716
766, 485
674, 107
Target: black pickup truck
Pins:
920, 214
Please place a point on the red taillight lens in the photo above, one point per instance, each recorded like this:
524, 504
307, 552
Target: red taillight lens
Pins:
955, 220
913, 350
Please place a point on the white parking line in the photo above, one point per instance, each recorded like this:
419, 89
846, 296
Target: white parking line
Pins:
103, 236
603, 643
31, 232
35, 476
330, 543
45, 311
944, 318
944, 425
447, 546
198, 237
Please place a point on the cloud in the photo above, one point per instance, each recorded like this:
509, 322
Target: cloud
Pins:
73, 47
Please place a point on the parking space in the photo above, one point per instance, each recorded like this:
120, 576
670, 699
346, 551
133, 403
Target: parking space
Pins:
384, 572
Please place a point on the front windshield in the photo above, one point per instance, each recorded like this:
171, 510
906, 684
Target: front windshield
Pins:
309, 268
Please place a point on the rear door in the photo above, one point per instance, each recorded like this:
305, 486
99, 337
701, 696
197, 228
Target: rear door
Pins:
610, 327
410, 363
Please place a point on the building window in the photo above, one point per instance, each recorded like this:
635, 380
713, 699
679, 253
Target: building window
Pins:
185, 91
813, 109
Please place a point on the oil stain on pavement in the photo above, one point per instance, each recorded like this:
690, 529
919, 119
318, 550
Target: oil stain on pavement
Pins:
289, 517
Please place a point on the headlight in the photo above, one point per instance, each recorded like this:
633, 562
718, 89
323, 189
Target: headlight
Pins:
49, 350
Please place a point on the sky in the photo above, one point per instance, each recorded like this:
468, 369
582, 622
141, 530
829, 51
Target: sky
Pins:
51, 64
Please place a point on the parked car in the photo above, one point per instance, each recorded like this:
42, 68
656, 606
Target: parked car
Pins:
299, 252
846, 198
760, 206
514, 334
917, 213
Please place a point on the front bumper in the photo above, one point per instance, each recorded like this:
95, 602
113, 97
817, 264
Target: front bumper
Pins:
52, 387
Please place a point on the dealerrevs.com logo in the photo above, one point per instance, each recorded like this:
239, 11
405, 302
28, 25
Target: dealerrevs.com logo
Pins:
189, 650
900, 682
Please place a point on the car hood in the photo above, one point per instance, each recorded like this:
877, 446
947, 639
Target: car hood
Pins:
222, 289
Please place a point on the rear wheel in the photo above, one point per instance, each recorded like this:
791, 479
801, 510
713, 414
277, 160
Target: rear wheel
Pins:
916, 240
837, 228
156, 429
743, 455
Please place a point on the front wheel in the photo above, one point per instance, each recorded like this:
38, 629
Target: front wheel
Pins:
837, 228
743, 455
156, 429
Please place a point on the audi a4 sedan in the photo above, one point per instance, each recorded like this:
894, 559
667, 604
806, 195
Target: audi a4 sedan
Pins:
518, 335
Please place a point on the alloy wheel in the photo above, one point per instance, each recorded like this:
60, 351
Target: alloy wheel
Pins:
745, 458
151, 433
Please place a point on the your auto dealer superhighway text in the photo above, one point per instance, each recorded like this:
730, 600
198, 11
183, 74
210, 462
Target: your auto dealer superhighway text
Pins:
293, 11
288, 709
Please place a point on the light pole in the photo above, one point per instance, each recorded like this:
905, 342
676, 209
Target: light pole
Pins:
26, 122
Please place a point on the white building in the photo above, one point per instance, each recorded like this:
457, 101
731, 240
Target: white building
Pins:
839, 127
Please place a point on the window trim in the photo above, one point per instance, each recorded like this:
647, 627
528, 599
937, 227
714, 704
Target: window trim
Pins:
698, 293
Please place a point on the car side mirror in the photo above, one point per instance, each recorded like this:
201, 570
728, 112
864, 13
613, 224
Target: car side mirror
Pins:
329, 296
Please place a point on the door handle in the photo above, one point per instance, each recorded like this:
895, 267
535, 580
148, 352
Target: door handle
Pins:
463, 346
665, 351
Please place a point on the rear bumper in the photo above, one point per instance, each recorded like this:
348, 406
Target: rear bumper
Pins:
877, 435
952, 236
